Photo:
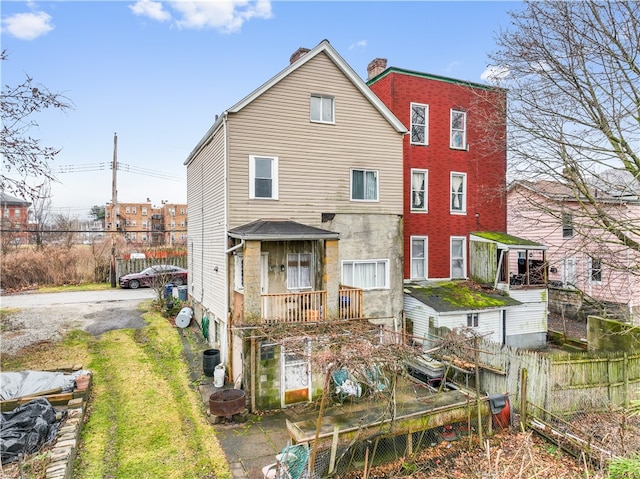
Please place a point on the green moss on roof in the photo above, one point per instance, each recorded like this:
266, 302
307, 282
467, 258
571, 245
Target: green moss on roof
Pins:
505, 238
458, 296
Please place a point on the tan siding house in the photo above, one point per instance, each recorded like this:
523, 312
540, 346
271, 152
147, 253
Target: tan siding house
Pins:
295, 215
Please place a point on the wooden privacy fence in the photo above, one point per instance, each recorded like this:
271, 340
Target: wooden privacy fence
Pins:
560, 383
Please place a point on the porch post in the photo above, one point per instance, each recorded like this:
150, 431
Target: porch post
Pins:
332, 278
252, 300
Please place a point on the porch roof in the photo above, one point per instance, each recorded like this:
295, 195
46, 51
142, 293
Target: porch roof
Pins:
506, 241
451, 296
280, 230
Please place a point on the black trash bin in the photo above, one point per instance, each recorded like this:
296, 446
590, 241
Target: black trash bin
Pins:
210, 359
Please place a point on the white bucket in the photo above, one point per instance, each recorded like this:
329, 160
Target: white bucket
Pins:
218, 376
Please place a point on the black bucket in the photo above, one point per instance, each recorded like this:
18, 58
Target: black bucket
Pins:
210, 359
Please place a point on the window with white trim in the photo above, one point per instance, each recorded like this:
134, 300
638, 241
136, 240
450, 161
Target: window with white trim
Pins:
458, 257
458, 193
263, 177
238, 272
418, 257
458, 130
472, 320
419, 124
364, 185
322, 109
595, 270
144, 211
419, 179
567, 225
16, 213
299, 271
366, 274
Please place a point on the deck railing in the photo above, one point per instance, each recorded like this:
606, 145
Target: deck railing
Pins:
309, 306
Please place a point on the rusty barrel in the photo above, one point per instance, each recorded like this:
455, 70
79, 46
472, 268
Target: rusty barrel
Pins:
227, 402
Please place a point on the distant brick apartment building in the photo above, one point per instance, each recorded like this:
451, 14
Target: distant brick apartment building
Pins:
15, 218
148, 225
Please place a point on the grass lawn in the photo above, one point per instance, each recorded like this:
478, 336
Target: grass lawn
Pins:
145, 418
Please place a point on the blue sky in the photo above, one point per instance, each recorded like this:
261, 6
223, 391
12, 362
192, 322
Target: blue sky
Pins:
157, 73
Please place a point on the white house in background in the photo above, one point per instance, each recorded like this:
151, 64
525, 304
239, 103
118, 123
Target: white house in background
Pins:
580, 256
505, 300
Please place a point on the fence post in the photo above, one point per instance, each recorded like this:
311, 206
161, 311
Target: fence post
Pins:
523, 399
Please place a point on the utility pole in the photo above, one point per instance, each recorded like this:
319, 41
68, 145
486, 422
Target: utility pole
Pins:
114, 207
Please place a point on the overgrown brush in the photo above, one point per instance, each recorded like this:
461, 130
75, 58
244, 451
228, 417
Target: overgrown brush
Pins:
28, 268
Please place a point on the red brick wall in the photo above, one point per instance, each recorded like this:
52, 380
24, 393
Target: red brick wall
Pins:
485, 165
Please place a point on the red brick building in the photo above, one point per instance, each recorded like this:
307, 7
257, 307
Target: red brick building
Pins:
454, 165
15, 219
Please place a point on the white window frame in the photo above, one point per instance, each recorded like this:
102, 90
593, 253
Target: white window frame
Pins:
252, 177
384, 284
293, 272
144, 211
473, 320
454, 132
319, 101
418, 126
425, 190
591, 270
463, 206
463, 239
420, 260
377, 180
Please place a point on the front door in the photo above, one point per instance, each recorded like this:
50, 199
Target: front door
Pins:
296, 377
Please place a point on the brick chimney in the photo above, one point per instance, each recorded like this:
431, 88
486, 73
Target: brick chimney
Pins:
299, 53
375, 67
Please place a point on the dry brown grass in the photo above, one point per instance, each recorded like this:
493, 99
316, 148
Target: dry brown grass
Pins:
28, 268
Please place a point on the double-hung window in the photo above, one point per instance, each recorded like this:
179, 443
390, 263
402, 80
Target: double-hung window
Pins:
567, 225
458, 193
419, 180
472, 320
418, 257
595, 270
299, 271
364, 185
366, 274
458, 257
263, 177
419, 124
458, 130
322, 109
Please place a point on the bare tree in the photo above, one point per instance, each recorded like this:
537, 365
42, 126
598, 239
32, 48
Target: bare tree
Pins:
41, 208
573, 114
24, 158
64, 230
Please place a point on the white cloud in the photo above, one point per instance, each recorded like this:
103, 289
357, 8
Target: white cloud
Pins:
495, 73
28, 26
225, 15
360, 44
153, 10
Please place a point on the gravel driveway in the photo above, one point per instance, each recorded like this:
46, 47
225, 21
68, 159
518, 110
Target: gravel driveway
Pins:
47, 316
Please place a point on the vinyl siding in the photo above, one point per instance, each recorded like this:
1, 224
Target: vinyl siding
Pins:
206, 196
314, 159
526, 319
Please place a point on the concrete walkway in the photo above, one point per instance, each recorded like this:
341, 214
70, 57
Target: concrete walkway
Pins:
251, 445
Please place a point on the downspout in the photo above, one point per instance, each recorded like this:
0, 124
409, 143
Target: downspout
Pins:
233, 248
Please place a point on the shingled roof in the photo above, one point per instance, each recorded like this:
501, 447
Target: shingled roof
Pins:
280, 230
458, 296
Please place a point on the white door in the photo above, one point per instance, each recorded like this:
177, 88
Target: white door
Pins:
569, 276
296, 377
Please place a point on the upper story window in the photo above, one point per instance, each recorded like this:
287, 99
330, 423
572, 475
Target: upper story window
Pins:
183, 211
458, 257
595, 270
366, 274
263, 177
419, 124
419, 190
6, 212
144, 211
458, 193
144, 224
458, 129
364, 185
322, 109
567, 225
134, 210
418, 257
299, 271
16, 213
127, 209
134, 223
172, 211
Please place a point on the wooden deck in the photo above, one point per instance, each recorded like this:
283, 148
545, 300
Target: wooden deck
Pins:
417, 408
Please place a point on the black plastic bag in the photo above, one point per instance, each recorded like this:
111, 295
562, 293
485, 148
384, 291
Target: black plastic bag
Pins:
26, 429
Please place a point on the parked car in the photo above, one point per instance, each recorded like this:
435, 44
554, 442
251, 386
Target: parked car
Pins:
153, 275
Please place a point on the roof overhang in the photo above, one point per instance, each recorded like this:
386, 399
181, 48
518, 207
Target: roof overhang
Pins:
506, 241
280, 230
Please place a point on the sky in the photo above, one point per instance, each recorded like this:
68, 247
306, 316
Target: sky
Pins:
157, 73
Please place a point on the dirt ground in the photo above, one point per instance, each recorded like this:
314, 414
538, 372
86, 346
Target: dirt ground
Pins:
572, 328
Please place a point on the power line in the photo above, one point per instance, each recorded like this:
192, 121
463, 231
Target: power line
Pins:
86, 168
